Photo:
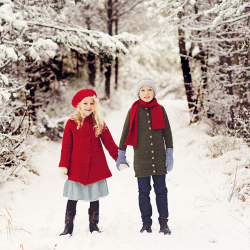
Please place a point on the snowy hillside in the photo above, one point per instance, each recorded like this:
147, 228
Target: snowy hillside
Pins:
199, 187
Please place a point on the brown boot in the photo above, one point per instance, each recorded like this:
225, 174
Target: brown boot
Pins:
93, 221
69, 223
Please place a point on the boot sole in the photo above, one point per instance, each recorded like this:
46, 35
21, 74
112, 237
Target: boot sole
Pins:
165, 233
70, 235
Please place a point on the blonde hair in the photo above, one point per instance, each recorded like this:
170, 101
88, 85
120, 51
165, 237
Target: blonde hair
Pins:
79, 117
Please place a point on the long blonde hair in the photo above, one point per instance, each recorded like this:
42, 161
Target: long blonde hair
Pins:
79, 117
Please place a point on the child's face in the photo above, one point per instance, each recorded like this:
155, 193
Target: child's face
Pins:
146, 93
87, 105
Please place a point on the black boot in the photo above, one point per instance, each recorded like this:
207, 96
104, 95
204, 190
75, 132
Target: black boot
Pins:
93, 221
164, 227
69, 222
146, 228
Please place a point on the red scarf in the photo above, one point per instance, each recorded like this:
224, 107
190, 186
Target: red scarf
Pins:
158, 121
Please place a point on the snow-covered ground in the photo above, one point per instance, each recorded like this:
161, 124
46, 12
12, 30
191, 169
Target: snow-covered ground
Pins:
199, 187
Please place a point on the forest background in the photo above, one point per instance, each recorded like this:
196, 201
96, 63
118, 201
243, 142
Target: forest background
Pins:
192, 49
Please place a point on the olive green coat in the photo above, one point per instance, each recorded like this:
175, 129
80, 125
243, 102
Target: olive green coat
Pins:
150, 155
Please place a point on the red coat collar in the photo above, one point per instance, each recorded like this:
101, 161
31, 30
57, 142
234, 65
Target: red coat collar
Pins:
89, 119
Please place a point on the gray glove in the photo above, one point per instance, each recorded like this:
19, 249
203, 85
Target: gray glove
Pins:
169, 159
121, 162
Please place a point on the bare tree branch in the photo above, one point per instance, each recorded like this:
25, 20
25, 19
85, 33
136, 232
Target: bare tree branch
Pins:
5, 64
125, 12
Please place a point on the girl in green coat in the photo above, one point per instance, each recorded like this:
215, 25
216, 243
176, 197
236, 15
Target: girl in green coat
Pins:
147, 129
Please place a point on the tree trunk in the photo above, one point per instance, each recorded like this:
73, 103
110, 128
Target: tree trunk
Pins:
91, 69
108, 67
101, 64
116, 72
201, 58
31, 87
107, 83
116, 59
227, 77
91, 59
191, 98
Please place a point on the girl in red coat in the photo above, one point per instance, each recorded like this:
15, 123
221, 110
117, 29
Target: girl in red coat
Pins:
83, 164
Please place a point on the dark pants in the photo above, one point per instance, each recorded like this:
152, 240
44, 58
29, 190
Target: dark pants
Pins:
161, 193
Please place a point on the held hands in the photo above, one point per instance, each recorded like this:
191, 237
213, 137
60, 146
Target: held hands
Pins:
169, 159
121, 162
63, 173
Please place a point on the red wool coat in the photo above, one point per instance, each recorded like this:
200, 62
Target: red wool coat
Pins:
82, 152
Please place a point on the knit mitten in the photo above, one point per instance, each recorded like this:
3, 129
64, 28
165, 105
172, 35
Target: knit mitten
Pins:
63, 173
169, 159
121, 162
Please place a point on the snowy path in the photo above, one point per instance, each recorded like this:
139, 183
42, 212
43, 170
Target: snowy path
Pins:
200, 216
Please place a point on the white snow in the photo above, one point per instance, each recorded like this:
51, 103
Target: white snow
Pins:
11, 54
20, 24
34, 54
4, 92
43, 48
198, 190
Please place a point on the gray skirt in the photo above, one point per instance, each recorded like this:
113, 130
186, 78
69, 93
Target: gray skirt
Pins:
92, 192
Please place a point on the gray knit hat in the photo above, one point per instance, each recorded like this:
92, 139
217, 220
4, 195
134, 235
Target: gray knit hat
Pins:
146, 82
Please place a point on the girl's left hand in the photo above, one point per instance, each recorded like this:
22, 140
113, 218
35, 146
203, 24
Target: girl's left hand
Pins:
63, 173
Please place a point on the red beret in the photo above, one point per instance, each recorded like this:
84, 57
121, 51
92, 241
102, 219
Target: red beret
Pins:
81, 94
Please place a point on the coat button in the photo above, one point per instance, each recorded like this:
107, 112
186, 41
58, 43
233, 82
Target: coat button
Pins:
152, 152
149, 128
151, 144
150, 136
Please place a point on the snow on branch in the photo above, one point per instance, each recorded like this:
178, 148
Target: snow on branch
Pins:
85, 41
36, 31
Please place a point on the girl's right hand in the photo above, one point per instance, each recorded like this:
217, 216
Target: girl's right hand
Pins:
63, 173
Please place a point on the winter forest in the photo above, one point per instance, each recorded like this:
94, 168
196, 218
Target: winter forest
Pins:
197, 52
